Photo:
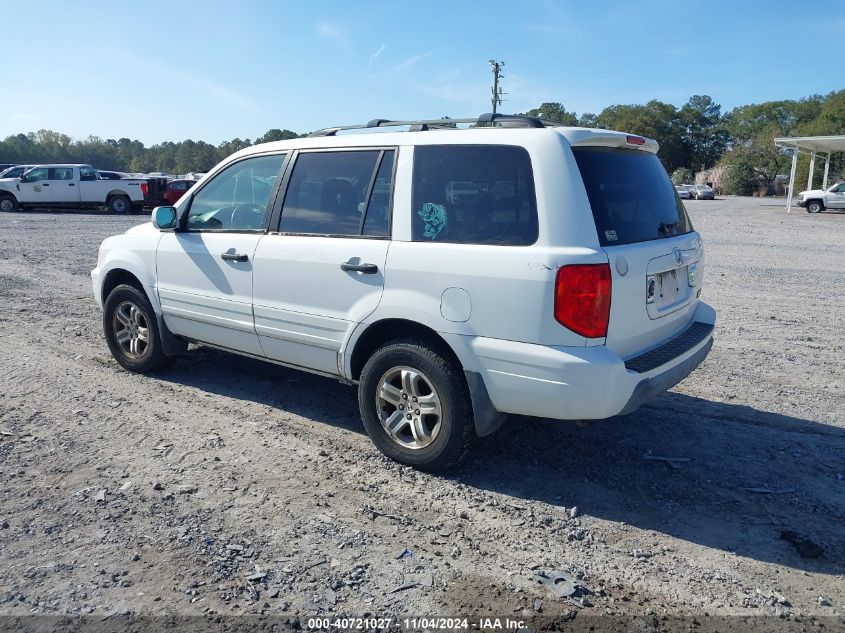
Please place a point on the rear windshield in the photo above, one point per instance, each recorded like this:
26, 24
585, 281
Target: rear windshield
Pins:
631, 195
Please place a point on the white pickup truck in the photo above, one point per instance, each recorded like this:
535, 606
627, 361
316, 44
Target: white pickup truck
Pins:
817, 200
71, 186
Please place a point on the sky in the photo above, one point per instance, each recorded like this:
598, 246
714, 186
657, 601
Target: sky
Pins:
213, 71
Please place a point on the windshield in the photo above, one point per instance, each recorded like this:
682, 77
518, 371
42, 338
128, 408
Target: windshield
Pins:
631, 196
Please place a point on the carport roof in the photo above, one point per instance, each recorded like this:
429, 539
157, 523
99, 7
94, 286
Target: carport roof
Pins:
826, 144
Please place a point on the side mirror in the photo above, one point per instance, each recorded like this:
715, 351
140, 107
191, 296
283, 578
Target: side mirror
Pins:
165, 218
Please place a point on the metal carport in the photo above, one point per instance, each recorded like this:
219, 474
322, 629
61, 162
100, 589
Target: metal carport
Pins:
814, 146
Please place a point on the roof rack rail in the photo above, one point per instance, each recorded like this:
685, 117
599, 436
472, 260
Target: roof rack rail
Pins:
491, 119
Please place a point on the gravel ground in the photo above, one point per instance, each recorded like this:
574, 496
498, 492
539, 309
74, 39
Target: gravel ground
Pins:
225, 485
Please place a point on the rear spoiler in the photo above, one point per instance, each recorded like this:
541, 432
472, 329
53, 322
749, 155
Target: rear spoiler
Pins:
588, 137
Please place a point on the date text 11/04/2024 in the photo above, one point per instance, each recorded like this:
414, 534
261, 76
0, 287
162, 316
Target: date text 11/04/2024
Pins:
415, 623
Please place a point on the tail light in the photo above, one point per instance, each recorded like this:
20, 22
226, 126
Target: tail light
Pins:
145, 189
635, 140
582, 298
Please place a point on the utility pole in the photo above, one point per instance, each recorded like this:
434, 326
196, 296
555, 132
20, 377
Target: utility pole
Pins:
496, 99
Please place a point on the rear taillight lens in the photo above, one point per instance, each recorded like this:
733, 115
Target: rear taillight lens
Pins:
145, 189
582, 298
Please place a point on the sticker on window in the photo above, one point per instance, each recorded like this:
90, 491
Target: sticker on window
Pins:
610, 235
435, 218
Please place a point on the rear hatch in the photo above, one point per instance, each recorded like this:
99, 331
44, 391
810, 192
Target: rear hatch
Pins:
655, 257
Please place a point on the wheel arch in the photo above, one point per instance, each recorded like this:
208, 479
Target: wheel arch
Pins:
10, 194
118, 192
127, 267
811, 200
485, 416
119, 276
377, 333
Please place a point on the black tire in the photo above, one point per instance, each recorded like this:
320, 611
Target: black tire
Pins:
815, 206
151, 358
119, 204
456, 431
8, 203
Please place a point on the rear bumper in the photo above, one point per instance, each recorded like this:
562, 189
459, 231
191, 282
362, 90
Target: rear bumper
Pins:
585, 383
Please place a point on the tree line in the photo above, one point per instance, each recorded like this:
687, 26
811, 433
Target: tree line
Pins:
693, 137
698, 135
46, 146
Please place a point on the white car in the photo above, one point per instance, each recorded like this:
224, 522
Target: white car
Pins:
817, 200
569, 289
63, 185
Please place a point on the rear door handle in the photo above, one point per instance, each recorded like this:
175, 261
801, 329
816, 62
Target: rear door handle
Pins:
367, 269
235, 257
70, 184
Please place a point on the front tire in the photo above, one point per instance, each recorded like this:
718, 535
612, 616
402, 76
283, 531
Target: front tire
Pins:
131, 330
814, 206
119, 204
415, 405
8, 203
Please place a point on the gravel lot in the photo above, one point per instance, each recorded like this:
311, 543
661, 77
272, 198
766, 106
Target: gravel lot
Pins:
226, 485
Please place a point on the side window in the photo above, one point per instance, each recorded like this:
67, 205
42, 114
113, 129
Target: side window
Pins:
236, 198
36, 174
473, 194
327, 192
87, 173
61, 173
377, 221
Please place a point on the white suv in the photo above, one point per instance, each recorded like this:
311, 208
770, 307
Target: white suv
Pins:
455, 275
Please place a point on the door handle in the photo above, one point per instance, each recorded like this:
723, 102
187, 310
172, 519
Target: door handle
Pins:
367, 269
70, 184
46, 184
235, 257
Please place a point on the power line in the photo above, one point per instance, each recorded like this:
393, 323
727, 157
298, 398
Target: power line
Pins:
496, 97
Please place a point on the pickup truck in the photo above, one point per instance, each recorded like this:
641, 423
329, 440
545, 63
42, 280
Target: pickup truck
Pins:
72, 186
817, 200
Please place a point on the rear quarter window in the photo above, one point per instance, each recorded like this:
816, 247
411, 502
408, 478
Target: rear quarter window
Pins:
473, 194
631, 196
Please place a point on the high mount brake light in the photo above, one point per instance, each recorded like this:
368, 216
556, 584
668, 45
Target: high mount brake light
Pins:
635, 140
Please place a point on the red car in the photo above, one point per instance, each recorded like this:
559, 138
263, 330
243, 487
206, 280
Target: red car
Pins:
176, 189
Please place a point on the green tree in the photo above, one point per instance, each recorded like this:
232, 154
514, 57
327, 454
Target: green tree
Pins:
682, 175
740, 178
553, 112
703, 135
276, 135
656, 120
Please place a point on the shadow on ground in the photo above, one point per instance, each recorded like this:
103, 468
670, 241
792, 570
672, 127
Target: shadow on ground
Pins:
745, 475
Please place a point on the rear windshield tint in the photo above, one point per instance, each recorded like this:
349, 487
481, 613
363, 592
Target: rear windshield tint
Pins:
631, 195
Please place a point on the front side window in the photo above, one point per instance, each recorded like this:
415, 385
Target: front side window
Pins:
236, 198
339, 193
36, 174
473, 194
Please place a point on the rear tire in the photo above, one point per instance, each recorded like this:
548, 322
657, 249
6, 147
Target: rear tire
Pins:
411, 388
814, 206
8, 203
131, 330
119, 204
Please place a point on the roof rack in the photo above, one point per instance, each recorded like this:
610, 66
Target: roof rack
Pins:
490, 119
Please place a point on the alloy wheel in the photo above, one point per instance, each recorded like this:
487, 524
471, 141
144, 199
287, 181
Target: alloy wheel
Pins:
131, 330
409, 407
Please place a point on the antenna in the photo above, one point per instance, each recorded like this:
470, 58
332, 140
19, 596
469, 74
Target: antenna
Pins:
496, 96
